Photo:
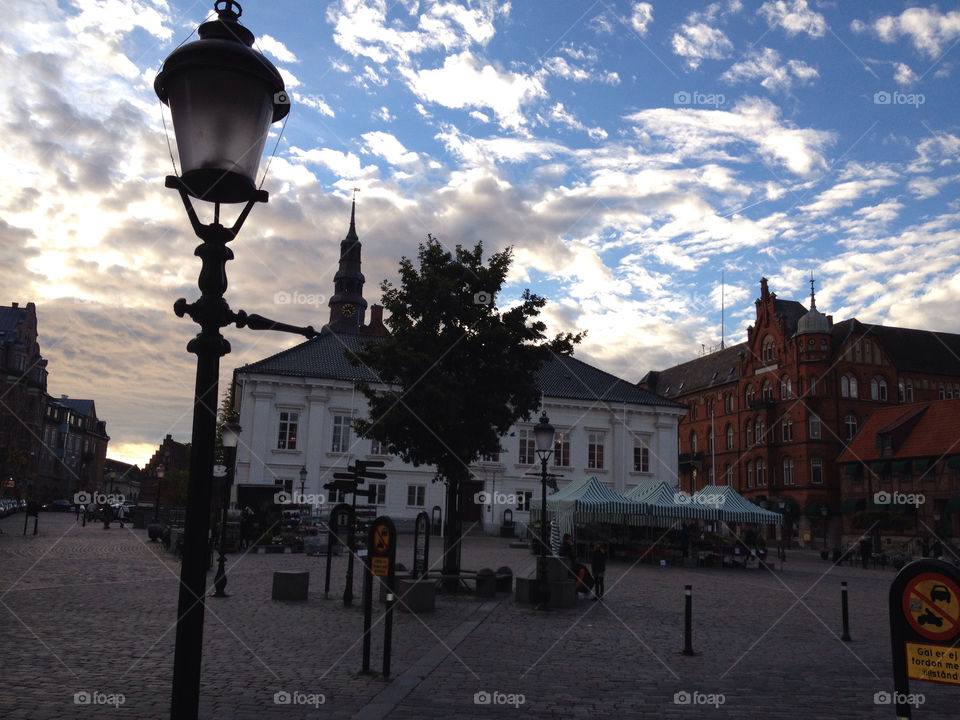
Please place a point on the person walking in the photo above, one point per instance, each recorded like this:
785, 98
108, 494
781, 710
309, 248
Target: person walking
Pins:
598, 566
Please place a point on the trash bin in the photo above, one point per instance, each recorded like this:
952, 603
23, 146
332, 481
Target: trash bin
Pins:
504, 580
486, 583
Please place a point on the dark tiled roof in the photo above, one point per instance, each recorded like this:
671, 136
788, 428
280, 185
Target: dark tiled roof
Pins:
791, 311
708, 371
935, 433
559, 377
83, 407
910, 350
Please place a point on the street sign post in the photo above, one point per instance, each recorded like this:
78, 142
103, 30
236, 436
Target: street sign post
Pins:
924, 628
380, 563
341, 517
421, 544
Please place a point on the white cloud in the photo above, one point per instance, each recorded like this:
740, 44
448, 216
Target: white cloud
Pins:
270, 45
641, 17
389, 148
465, 82
698, 42
560, 67
314, 103
930, 31
345, 165
904, 75
766, 65
794, 17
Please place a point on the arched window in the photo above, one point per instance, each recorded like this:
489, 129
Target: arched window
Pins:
812, 390
788, 478
761, 472
748, 432
786, 388
786, 429
850, 425
848, 386
767, 390
878, 389
693, 442
750, 474
710, 441
814, 427
729, 437
760, 430
728, 474
901, 391
767, 352
750, 395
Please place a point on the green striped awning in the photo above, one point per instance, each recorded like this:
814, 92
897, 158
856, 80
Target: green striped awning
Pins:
731, 506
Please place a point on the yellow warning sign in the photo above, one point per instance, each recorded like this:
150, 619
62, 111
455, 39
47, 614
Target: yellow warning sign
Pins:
934, 663
380, 566
381, 538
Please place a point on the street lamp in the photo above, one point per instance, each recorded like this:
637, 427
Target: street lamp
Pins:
223, 97
543, 433
303, 481
229, 436
824, 511
156, 501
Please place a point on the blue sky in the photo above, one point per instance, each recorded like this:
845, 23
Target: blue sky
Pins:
630, 152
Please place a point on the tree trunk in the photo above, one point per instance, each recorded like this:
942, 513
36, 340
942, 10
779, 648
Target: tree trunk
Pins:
452, 536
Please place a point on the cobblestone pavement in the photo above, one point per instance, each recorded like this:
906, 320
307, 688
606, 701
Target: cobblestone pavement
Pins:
88, 615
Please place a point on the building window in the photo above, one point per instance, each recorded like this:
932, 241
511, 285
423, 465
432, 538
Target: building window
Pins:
761, 473
814, 427
878, 389
901, 393
377, 448
729, 402
750, 474
380, 490
729, 437
813, 385
728, 474
786, 388
287, 437
693, 443
941, 394
788, 478
641, 458
337, 496
816, 471
693, 410
761, 431
848, 386
416, 495
528, 448
767, 391
786, 429
561, 449
710, 441
341, 434
523, 500
909, 392
751, 395
767, 352
491, 457
850, 424
595, 450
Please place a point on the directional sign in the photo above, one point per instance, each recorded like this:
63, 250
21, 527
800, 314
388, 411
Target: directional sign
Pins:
931, 604
345, 476
361, 468
344, 485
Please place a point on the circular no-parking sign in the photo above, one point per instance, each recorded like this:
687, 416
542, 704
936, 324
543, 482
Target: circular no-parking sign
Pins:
931, 605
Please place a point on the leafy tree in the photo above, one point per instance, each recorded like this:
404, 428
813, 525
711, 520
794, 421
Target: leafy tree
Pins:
460, 371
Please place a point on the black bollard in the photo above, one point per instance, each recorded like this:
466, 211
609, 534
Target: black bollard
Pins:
688, 620
845, 612
388, 631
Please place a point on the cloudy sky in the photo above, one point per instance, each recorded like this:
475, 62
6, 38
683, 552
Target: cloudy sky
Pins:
632, 153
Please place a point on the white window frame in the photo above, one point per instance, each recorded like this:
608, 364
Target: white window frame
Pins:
288, 419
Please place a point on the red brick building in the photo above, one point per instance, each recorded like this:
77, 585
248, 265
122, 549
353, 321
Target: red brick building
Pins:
770, 416
901, 474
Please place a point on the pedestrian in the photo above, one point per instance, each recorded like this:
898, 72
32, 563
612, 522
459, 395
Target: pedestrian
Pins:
598, 566
566, 548
244, 527
122, 515
866, 550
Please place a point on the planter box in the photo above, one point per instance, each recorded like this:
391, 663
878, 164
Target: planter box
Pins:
290, 586
418, 596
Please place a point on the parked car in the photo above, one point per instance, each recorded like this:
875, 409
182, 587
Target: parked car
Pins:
7, 507
59, 506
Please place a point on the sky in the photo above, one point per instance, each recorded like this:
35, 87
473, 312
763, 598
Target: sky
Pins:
648, 162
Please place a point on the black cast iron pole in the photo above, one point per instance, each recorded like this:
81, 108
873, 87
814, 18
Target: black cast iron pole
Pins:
543, 591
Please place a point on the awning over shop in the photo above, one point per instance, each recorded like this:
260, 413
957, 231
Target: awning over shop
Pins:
664, 500
852, 505
586, 500
731, 506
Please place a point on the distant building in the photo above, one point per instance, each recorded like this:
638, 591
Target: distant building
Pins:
297, 410
901, 473
121, 478
172, 458
23, 389
75, 448
771, 415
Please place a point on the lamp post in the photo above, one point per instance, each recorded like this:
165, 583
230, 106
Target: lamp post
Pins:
223, 97
229, 436
824, 511
303, 482
543, 433
156, 501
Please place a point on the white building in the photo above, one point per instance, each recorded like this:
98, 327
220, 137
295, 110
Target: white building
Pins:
297, 407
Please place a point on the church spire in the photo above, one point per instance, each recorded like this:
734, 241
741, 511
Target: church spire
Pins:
813, 297
347, 306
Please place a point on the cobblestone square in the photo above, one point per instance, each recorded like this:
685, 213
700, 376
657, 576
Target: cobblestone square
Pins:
89, 617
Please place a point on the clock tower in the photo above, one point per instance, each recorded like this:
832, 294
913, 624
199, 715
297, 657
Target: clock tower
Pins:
347, 306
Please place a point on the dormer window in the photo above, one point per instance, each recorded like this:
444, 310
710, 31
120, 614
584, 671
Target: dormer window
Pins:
767, 351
